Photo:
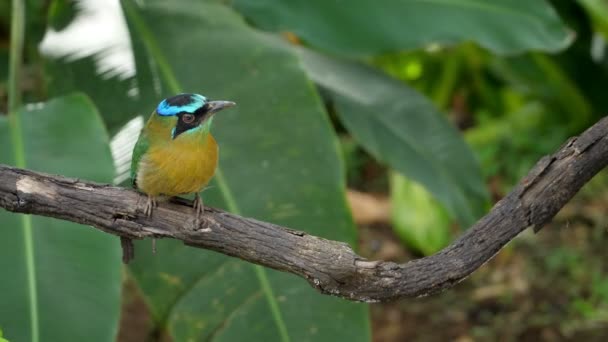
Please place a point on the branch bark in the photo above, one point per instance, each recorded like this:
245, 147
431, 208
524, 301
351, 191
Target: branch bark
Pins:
330, 266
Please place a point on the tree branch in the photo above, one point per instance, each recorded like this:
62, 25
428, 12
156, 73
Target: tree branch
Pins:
329, 266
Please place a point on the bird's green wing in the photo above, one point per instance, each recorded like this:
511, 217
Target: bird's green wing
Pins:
141, 147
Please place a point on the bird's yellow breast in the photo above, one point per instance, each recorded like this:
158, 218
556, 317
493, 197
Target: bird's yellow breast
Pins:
178, 167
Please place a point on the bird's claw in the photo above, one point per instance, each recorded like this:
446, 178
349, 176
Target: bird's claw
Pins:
198, 205
199, 211
150, 205
199, 208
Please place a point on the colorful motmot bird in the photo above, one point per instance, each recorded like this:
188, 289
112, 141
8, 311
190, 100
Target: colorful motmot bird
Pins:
176, 153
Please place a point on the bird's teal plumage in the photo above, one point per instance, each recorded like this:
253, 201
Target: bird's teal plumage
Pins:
185, 103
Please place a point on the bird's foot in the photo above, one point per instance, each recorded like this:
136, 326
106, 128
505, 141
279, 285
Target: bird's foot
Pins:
198, 205
150, 205
199, 209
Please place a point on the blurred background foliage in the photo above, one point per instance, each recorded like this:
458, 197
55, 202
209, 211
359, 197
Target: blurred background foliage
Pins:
419, 114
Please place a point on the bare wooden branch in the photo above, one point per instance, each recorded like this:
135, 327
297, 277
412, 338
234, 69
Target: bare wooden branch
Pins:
330, 266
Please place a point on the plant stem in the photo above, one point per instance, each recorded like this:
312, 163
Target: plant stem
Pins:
14, 74
447, 82
14, 117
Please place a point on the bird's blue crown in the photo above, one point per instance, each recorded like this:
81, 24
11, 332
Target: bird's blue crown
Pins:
174, 105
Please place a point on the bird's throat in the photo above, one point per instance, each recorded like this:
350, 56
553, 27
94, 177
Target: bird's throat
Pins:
198, 133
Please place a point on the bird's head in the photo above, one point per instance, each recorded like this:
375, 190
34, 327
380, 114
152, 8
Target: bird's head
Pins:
189, 113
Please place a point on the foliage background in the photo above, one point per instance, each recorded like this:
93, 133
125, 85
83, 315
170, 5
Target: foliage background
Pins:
420, 113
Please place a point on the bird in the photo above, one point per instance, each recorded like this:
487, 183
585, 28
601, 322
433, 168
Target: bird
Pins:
175, 153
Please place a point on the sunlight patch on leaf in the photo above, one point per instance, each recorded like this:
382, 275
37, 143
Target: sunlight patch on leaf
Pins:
98, 30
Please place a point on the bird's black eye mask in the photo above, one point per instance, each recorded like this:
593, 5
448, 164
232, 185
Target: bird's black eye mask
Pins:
188, 121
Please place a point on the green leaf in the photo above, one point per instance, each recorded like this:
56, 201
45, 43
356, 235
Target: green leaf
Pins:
419, 221
598, 11
91, 69
51, 269
61, 13
400, 127
279, 162
109, 93
2, 339
36, 21
365, 27
541, 77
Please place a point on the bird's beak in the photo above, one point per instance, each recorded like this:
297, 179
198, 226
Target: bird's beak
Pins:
216, 106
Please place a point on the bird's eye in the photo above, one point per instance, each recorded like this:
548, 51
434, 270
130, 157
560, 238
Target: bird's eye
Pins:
188, 118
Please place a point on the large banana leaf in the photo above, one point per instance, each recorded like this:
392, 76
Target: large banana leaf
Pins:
368, 27
401, 127
60, 281
110, 94
101, 67
278, 162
